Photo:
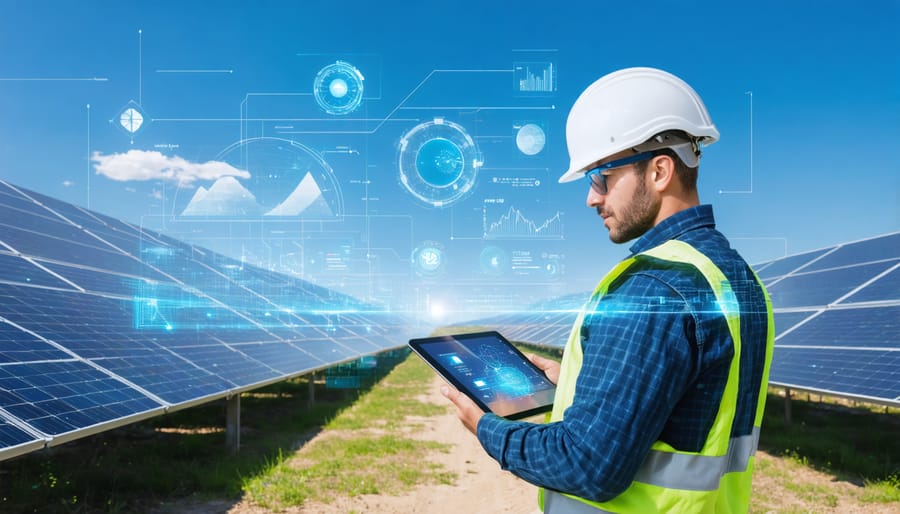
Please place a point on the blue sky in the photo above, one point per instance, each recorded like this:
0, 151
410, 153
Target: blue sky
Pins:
208, 78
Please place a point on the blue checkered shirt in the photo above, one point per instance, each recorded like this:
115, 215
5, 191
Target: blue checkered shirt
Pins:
656, 356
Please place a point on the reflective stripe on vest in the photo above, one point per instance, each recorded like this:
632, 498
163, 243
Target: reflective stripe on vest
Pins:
666, 471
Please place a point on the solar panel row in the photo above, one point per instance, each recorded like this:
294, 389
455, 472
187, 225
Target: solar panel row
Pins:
837, 319
103, 323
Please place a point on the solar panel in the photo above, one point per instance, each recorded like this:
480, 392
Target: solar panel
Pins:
20, 271
862, 328
886, 288
103, 323
63, 396
786, 265
822, 287
837, 320
876, 249
858, 373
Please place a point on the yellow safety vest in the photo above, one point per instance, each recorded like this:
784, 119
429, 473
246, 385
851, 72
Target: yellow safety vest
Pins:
717, 478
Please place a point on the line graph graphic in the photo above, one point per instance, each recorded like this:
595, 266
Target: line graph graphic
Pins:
513, 224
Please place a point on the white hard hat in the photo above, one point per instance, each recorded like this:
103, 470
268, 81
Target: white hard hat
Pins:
628, 107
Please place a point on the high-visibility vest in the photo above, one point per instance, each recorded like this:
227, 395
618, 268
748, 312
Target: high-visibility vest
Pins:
715, 479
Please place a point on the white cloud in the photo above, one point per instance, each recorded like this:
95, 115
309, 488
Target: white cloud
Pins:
152, 165
68, 183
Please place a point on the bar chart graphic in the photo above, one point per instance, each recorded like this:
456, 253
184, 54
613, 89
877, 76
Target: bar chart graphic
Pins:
535, 77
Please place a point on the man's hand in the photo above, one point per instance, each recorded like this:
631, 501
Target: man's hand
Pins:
548, 366
469, 413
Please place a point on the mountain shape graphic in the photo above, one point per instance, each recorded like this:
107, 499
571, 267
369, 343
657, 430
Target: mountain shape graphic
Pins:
226, 197
306, 200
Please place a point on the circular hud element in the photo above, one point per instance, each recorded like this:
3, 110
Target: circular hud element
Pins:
438, 162
338, 88
494, 261
530, 139
428, 259
131, 119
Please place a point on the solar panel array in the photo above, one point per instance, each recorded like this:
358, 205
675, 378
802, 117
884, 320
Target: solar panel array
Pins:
103, 324
837, 320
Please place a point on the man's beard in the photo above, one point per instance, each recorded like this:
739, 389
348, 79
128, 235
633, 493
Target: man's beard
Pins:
637, 217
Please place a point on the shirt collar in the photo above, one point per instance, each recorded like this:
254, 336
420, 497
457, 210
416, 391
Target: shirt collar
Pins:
674, 226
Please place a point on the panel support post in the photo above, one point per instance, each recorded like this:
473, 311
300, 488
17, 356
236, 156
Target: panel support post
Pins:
312, 391
233, 423
787, 407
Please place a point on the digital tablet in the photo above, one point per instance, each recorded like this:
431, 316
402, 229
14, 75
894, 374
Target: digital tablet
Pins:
490, 371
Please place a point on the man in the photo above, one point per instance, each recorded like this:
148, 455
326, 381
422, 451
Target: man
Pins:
662, 384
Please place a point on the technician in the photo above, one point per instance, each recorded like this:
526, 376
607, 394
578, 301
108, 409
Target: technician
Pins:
662, 384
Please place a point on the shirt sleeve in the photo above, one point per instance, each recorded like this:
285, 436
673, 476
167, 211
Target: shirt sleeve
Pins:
638, 358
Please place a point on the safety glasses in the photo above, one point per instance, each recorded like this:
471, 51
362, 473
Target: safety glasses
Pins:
598, 178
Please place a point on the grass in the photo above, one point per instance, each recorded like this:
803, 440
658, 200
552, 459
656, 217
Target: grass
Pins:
853, 444
856, 444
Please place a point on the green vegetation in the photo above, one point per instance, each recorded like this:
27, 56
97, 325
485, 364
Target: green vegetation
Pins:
857, 444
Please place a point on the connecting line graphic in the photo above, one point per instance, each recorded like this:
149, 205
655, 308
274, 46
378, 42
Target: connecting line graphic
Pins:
53, 79
193, 71
400, 106
750, 191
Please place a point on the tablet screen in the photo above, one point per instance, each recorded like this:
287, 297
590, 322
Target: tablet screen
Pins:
490, 371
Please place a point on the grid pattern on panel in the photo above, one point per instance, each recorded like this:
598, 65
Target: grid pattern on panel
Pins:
325, 349
41, 245
19, 346
870, 250
17, 270
37, 221
886, 288
785, 320
875, 327
865, 373
169, 377
786, 265
228, 364
360, 346
90, 326
96, 281
822, 287
281, 356
63, 396
12, 436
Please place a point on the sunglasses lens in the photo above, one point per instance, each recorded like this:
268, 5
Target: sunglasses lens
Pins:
598, 183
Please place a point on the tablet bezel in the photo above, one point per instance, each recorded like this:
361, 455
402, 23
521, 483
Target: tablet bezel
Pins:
418, 346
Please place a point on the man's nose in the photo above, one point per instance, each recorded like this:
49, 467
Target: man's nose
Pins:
594, 199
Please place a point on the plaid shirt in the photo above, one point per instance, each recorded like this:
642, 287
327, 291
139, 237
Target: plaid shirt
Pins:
656, 356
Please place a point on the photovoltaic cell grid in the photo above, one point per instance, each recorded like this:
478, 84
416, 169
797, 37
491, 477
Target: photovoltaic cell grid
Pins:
837, 320
103, 324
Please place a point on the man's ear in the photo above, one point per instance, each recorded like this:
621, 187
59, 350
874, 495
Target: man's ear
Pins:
662, 172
